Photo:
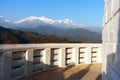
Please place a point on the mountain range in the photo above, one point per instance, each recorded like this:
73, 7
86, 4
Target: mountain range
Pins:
63, 28
78, 34
13, 36
34, 22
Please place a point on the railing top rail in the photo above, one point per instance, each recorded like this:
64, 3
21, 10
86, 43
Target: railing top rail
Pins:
46, 45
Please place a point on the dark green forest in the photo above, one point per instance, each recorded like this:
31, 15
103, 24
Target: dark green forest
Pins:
13, 36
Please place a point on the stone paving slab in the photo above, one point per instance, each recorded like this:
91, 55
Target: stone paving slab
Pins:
79, 72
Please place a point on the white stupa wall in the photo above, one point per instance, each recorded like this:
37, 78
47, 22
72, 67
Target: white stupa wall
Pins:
111, 40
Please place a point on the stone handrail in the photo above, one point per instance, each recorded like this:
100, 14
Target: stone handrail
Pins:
19, 60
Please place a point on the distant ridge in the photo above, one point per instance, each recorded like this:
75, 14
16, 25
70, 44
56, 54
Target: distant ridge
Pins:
34, 22
13, 36
65, 28
78, 34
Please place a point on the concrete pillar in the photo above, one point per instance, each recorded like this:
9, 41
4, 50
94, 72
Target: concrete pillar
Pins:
88, 55
62, 57
111, 40
47, 58
99, 55
6, 65
29, 62
76, 55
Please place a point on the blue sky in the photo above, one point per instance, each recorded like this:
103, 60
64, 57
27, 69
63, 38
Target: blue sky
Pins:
89, 12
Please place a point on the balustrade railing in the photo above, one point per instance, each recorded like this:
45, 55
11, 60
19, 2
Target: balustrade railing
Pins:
19, 60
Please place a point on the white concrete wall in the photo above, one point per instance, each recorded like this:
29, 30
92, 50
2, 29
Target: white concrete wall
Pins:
111, 40
25, 59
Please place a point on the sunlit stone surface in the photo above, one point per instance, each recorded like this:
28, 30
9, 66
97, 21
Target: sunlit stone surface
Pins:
111, 40
20, 60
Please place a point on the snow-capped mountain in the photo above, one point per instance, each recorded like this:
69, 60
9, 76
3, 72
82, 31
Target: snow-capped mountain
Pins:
5, 22
43, 19
64, 28
33, 22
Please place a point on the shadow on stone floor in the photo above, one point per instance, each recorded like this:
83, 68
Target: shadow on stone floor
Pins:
80, 72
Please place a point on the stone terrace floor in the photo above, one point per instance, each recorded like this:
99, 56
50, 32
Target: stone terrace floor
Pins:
79, 72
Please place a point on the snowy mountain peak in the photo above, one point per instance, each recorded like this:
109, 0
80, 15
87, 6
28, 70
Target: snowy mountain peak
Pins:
43, 19
2, 20
1, 16
28, 19
33, 22
46, 20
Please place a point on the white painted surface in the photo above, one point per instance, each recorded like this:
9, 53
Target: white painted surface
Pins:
111, 40
33, 58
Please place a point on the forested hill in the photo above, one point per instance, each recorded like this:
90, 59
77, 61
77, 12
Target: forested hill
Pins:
13, 36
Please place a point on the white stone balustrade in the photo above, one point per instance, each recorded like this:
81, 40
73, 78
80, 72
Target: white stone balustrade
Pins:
19, 60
